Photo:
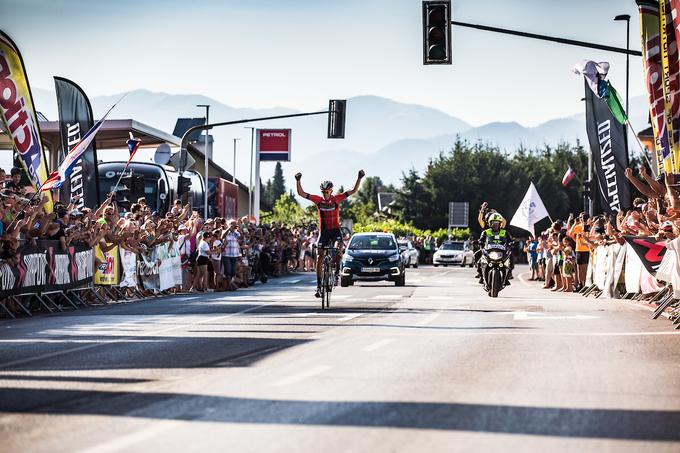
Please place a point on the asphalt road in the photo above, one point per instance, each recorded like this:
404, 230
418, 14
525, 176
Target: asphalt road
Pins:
433, 366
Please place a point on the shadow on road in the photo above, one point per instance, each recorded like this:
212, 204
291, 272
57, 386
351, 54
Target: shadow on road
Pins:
145, 352
539, 421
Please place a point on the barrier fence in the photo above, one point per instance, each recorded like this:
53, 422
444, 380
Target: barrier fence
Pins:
641, 269
43, 275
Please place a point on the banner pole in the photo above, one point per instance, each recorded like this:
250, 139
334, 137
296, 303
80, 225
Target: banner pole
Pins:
637, 139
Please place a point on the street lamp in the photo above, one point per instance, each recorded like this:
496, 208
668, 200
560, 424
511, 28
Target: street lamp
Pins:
233, 174
626, 17
205, 152
250, 184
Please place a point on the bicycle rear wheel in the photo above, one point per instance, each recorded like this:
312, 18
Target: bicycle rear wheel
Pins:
328, 287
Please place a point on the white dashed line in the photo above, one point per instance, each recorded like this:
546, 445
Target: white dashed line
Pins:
378, 345
387, 297
302, 376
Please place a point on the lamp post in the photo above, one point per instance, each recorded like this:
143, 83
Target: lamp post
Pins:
205, 152
626, 17
250, 184
233, 174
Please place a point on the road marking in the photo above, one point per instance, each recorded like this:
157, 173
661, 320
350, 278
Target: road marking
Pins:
427, 320
124, 442
341, 296
146, 334
351, 316
302, 376
293, 281
259, 297
378, 345
525, 315
388, 297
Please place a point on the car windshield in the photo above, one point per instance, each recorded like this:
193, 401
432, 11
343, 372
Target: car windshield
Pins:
452, 246
372, 242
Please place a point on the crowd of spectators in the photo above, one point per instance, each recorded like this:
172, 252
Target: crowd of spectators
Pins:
559, 255
217, 254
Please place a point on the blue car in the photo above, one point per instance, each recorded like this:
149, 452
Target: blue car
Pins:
372, 257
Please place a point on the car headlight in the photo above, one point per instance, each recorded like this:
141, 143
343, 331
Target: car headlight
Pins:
393, 258
495, 255
348, 258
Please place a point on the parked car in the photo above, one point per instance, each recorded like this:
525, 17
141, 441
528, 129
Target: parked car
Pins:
409, 253
372, 257
453, 252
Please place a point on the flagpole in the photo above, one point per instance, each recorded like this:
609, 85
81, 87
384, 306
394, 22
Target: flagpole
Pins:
120, 177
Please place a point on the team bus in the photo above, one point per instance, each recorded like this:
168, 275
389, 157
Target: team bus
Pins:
159, 188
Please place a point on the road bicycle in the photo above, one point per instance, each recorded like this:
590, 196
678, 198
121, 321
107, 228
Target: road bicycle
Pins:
327, 275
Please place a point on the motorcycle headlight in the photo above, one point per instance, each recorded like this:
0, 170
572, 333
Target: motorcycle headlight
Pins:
348, 258
494, 255
393, 258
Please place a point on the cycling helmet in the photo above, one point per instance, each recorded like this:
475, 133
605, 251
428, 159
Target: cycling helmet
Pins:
326, 185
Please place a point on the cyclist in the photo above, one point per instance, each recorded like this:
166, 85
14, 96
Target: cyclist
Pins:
328, 206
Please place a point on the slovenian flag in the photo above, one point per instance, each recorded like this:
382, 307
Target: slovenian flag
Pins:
59, 177
596, 77
133, 144
568, 176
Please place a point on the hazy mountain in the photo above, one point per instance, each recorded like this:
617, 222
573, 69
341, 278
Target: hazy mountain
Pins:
383, 136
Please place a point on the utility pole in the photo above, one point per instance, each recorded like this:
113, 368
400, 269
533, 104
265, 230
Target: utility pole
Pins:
626, 17
233, 174
250, 184
205, 152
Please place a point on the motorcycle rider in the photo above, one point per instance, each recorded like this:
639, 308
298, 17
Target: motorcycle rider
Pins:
495, 234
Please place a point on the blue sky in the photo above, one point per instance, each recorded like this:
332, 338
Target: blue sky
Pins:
299, 53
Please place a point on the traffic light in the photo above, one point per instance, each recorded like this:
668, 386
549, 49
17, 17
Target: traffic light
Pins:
437, 32
336, 118
587, 189
183, 185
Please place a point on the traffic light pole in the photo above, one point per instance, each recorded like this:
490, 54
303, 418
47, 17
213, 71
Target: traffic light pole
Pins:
571, 42
206, 127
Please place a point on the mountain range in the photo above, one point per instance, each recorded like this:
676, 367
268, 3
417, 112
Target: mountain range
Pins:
383, 136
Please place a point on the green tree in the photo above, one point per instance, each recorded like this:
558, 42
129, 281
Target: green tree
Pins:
278, 182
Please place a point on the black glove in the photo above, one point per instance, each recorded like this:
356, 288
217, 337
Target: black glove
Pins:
298, 176
362, 173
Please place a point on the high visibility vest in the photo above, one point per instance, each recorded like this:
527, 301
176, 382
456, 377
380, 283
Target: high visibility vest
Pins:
495, 238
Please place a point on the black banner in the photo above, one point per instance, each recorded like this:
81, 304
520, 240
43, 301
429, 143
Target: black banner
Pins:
45, 267
75, 119
609, 148
649, 249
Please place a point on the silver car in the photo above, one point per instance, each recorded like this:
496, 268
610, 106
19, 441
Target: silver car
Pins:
453, 252
409, 254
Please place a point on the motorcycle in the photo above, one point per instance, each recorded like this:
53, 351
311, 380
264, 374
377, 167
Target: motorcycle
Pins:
495, 263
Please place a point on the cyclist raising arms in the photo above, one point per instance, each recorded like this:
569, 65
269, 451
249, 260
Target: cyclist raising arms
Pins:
329, 220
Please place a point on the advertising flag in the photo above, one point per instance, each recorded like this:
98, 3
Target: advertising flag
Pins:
531, 210
649, 249
568, 176
651, 62
608, 146
75, 117
671, 80
19, 114
673, 39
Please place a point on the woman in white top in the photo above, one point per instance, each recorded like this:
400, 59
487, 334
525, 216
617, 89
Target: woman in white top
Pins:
201, 277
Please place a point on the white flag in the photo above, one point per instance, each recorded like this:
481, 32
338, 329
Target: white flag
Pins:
531, 210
